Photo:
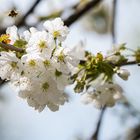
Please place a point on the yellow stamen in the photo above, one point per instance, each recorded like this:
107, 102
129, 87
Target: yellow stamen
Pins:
46, 63
32, 63
61, 57
14, 65
56, 34
42, 45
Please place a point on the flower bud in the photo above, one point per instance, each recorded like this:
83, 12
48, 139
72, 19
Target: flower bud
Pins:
123, 73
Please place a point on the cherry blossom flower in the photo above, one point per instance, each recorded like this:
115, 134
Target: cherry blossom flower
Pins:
9, 65
57, 29
103, 95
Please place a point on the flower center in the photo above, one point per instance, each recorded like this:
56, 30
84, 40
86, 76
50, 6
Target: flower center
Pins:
58, 73
32, 63
42, 44
46, 63
14, 64
45, 86
56, 34
61, 57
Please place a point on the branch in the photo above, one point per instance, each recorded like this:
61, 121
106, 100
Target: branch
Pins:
96, 133
129, 63
2, 82
22, 21
71, 19
11, 47
113, 31
134, 134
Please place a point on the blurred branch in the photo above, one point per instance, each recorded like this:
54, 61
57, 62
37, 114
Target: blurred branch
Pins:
54, 14
22, 21
96, 133
58, 13
134, 134
79, 13
113, 31
2, 81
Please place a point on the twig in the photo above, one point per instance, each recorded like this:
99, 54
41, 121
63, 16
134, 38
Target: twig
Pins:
96, 133
125, 63
134, 134
22, 21
11, 47
129, 63
2, 82
113, 31
71, 19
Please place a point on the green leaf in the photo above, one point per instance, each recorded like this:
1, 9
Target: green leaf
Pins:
58, 73
20, 43
106, 68
79, 86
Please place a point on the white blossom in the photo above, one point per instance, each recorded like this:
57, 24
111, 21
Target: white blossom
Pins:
28, 33
42, 92
103, 95
41, 73
57, 29
9, 65
12, 31
68, 58
41, 42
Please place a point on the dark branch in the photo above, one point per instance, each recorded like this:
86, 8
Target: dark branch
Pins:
22, 21
129, 63
79, 13
2, 82
134, 134
11, 47
96, 133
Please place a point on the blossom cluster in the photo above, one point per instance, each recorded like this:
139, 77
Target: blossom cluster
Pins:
44, 67
95, 80
42, 71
